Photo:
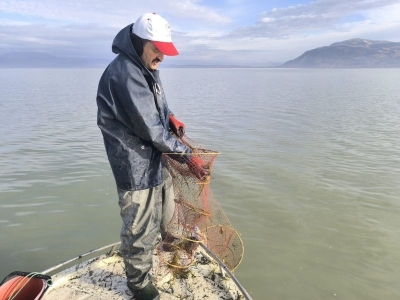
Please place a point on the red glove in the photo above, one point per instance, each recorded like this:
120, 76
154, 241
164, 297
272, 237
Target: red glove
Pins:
198, 167
176, 126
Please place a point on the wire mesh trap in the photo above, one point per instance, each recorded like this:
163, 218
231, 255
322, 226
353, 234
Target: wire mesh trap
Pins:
198, 217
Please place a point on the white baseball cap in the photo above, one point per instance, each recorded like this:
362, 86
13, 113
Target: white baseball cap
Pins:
155, 28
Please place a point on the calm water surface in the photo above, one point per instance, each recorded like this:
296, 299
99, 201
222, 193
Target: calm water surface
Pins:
309, 173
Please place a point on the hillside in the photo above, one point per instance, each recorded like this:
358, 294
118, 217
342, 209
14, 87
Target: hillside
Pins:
43, 60
354, 53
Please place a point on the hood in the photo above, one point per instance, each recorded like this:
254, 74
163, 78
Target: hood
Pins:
122, 45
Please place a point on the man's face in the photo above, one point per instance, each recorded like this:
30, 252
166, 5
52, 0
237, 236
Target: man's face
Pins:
151, 56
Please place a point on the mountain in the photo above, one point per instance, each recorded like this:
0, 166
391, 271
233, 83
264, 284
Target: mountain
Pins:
44, 60
354, 53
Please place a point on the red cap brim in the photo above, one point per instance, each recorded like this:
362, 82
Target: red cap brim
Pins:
166, 48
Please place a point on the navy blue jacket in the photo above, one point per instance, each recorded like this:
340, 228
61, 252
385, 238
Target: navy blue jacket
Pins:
133, 116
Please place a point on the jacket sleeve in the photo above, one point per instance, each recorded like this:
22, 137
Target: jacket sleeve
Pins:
137, 100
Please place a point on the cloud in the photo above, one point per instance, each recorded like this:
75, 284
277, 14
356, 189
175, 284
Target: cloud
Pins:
285, 33
108, 13
71, 12
315, 17
224, 32
79, 27
66, 41
193, 11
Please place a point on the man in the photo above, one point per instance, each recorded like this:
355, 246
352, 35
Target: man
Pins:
134, 119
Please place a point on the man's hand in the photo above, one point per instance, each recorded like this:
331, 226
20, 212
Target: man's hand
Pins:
176, 126
198, 168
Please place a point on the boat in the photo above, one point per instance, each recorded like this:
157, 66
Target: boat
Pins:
100, 274
195, 259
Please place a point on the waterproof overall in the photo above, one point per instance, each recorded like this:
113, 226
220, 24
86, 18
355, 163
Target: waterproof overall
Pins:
133, 116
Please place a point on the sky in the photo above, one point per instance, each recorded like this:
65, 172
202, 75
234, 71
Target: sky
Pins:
228, 32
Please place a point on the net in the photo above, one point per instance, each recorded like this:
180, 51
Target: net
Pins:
198, 217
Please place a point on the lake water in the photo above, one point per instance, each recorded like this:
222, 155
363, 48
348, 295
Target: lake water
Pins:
309, 172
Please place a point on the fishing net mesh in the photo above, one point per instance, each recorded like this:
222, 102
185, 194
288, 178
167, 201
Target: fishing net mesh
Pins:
198, 217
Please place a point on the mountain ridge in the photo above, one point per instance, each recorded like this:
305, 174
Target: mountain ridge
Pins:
45, 60
353, 53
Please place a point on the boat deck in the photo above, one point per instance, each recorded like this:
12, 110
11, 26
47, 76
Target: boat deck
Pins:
103, 277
